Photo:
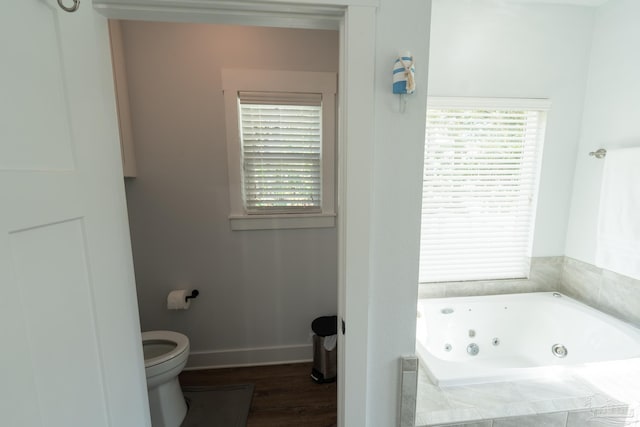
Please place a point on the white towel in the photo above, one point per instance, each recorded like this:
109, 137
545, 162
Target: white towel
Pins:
618, 245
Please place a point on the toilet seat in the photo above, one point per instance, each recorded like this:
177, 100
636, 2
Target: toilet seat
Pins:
176, 339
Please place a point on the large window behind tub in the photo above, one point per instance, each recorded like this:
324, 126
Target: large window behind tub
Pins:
481, 168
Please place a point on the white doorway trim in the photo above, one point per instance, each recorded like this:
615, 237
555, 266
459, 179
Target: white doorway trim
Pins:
356, 21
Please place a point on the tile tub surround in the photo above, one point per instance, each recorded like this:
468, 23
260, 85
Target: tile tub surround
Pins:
589, 396
545, 276
605, 290
409, 385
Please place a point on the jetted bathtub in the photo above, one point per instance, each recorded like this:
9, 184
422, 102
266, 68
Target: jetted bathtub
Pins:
474, 340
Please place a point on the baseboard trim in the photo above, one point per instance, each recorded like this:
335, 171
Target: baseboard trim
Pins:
249, 357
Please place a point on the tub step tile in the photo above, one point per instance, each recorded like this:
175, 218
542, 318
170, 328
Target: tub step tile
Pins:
507, 411
486, 423
604, 417
558, 419
567, 404
548, 389
486, 396
452, 416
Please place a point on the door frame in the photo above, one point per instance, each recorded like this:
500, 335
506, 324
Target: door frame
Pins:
355, 20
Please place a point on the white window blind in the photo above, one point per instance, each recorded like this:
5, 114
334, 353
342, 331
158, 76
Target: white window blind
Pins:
479, 189
281, 139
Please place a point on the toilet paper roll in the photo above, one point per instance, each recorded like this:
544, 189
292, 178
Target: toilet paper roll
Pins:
177, 300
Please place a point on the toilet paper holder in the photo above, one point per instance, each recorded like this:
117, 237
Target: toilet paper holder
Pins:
194, 294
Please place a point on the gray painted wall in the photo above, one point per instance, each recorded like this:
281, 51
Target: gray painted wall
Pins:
258, 288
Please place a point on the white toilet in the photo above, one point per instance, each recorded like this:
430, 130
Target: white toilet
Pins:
165, 355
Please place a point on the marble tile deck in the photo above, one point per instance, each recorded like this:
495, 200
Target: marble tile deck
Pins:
608, 392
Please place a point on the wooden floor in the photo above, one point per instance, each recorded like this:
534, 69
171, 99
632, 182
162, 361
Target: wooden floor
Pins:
284, 395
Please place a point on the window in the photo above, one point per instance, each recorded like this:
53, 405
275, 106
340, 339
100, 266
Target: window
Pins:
482, 162
280, 144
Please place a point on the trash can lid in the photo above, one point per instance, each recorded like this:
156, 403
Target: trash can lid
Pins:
325, 326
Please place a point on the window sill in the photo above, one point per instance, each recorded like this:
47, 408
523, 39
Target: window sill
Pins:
282, 221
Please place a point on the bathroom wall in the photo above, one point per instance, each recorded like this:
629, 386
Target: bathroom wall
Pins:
500, 49
611, 115
611, 112
396, 190
259, 290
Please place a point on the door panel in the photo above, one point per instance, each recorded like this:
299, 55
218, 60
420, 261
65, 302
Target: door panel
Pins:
33, 82
71, 345
56, 305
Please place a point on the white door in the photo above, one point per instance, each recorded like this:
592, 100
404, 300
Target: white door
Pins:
70, 353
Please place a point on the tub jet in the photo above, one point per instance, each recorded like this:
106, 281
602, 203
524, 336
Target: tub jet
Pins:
559, 350
473, 349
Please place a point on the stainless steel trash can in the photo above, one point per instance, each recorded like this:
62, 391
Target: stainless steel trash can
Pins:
325, 349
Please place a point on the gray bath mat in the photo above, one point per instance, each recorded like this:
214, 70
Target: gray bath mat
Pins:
218, 406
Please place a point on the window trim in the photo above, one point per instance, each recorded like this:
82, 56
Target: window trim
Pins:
543, 106
235, 81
